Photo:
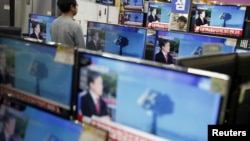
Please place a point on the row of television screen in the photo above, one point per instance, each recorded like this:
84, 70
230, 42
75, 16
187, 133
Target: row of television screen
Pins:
34, 75
216, 22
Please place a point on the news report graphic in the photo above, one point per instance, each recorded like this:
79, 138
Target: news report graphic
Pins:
186, 44
236, 132
106, 2
39, 26
217, 20
99, 82
13, 123
35, 75
135, 5
133, 18
159, 13
118, 39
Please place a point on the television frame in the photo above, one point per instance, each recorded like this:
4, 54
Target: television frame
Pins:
131, 22
11, 30
39, 101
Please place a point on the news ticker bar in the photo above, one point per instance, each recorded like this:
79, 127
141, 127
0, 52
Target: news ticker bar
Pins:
238, 132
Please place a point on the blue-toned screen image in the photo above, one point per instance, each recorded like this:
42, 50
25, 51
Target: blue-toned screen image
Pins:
42, 126
133, 18
132, 5
117, 39
224, 16
192, 44
163, 101
159, 12
43, 31
36, 72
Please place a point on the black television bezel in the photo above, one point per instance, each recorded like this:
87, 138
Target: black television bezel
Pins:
195, 72
220, 35
126, 26
11, 30
143, 18
63, 111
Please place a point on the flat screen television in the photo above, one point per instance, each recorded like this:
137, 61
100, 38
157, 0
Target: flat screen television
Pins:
35, 74
224, 20
133, 18
116, 39
11, 30
188, 44
135, 5
29, 123
106, 2
39, 26
158, 15
150, 97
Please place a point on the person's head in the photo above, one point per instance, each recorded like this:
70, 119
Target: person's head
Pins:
67, 6
164, 45
95, 82
36, 27
182, 21
201, 13
9, 124
2, 58
95, 35
153, 11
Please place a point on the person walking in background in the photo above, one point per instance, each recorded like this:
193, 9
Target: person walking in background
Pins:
64, 29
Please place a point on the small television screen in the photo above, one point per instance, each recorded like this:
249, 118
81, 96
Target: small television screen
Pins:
187, 44
11, 30
28, 123
133, 18
35, 75
158, 15
224, 20
116, 39
39, 26
161, 102
106, 2
136, 5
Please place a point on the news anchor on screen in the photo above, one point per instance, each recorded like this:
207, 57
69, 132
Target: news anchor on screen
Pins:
91, 102
153, 15
163, 55
201, 20
94, 43
9, 123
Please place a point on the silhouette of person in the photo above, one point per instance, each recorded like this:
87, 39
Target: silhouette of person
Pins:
153, 17
163, 55
36, 31
201, 20
9, 123
94, 43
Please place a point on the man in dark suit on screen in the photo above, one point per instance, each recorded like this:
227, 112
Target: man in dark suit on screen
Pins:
91, 102
94, 43
9, 123
163, 55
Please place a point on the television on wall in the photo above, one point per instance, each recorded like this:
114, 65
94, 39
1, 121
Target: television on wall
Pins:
222, 20
36, 75
39, 26
160, 103
135, 5
116, 39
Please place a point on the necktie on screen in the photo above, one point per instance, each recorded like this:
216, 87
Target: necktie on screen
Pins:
166, 58
98, 106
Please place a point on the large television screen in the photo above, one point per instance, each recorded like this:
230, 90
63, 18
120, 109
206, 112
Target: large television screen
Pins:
187, 44
133, 18
116, 39
39, 26
224, 20
154, 99
25, 123
35, 75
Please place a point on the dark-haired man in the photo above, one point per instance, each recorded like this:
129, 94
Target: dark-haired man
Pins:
181, 21
64, 29
9, 124
163, 55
